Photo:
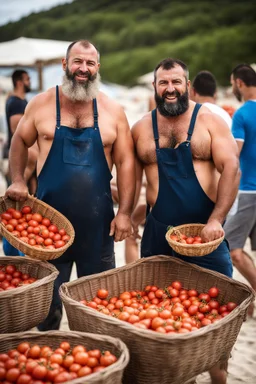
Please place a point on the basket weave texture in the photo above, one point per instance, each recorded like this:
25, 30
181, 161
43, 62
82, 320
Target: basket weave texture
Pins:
25, 307
110, 375
156, 358
191, 249
45, 210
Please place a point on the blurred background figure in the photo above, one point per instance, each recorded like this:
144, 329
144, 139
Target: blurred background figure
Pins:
242, 223
204, 91
15, 106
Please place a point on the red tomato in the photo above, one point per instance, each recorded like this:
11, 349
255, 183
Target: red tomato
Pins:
16, 214
213, 292
46, 222
53, 228
37, 217
6, 216
59, 244
189, 240
231, 306
102, 293
62, 232
26, 209
177, 285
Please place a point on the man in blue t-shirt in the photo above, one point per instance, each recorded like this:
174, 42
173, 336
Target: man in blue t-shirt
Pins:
242, 224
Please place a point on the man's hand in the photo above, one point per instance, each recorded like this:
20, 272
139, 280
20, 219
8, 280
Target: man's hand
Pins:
17, 191
212, 231
120, 227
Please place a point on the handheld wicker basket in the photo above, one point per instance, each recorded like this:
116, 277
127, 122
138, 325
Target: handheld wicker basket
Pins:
191, 249
154, 357
45, 210
25, 307
110, 375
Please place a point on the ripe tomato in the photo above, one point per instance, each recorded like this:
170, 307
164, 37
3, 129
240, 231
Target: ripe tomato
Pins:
59, 244
231, 306
102, 293
16, 214
53, 228
189, 240
213, 292
26, 209
37, 217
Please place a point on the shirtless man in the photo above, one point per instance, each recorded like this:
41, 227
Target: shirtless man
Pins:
191, 163
80, 134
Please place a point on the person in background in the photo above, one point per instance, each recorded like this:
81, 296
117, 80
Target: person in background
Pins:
191, 176
204, 91
81, 133
242, 223
14, 109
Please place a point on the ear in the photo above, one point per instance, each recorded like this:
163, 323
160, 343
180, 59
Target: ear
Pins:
64, 64
239, 83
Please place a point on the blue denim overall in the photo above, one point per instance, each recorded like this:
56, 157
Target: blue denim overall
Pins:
180, 200
75, 180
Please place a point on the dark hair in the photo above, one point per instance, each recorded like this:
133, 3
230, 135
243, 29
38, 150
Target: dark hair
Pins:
171, 63
205, 84
84, 43
18, 75
246, 73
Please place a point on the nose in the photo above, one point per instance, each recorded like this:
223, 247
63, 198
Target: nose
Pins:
83, 66
170, 88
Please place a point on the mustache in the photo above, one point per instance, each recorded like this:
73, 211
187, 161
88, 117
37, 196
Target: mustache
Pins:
174, 93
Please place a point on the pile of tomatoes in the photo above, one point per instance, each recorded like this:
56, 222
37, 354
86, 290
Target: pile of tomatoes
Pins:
11, 277
169, 310
186, 239
32, 364
33, 229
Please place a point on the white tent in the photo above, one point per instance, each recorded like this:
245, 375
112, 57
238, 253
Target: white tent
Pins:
28, 52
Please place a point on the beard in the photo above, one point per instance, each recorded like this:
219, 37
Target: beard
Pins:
172, 109
80, 91
27, 88
237, 94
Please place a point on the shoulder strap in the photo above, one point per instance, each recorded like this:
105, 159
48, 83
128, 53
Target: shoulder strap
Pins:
57, 108
155, 129
193, 120
95, 114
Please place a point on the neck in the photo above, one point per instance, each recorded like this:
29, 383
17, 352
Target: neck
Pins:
249, 93
206, 99
19, 93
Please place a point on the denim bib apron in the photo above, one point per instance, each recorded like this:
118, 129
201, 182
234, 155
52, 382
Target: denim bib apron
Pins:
75, 180
180, 200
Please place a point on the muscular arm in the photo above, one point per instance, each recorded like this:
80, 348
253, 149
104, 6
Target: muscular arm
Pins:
23, 138
123, 157
225, 158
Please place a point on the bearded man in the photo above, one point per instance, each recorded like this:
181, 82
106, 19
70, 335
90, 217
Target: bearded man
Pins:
81, 133
191, 164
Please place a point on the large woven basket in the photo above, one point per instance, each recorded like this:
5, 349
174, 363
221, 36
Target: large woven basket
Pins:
110, 375
45, 210
25, 307
191, 249
159, 358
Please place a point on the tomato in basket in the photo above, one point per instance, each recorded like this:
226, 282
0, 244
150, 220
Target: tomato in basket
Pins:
11, 277
34, 229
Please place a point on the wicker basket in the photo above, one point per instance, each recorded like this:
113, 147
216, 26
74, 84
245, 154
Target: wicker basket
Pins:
45, 210
159, 358
25, 307
110, 375
191, 249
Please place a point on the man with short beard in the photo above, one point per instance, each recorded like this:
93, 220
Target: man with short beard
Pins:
14, 109
81, 133
191, 164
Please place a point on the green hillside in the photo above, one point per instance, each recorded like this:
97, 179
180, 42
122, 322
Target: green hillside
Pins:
133, 35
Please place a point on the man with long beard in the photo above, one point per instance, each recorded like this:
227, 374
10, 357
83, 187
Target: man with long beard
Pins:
80, 134
191, 164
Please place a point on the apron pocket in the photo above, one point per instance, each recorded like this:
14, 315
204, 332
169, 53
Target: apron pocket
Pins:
77, 152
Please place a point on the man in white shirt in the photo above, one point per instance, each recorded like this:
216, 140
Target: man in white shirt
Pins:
204, 91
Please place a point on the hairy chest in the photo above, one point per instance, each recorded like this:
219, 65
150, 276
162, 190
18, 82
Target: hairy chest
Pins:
200, 145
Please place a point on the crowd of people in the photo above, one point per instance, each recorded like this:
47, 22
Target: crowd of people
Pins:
185, 161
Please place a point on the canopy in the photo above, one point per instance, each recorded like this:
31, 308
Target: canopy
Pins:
28, 52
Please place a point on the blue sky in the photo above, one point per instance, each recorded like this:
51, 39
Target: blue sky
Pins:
13, 10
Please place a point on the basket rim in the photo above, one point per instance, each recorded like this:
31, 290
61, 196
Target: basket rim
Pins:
64, 294
190, 246
42, 251
25, 288
121, 362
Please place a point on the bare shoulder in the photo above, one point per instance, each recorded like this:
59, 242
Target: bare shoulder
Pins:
42, 99
211, 120
141, 125
109, 105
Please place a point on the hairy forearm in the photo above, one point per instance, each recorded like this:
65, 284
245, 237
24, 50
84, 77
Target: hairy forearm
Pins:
126, 186
227, 192
18, 158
